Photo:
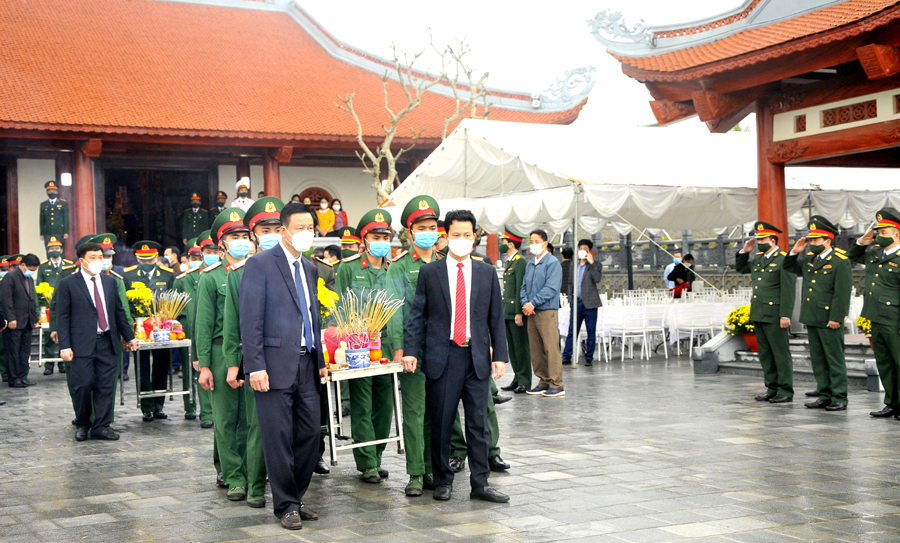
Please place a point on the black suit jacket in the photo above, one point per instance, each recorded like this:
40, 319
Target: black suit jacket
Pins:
76, 316
17, 296
271, 319
429, 318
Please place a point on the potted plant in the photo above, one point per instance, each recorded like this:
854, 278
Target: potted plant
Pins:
738, 323
864, 325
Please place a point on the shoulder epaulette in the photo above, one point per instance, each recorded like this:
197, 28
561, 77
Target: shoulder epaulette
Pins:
351, 258
192, 270
238, 265
180, 276
840, 255
66, 261
399, 256
44, 262
61, 200
69, 267
479, 258
839, 250
783, 253
214, 266
114, 274
517, 256
164, 268
130, 268
759, 253
323, 262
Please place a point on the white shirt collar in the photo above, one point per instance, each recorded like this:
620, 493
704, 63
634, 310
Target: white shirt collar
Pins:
290, 256
891, 251
826, 253
772, 252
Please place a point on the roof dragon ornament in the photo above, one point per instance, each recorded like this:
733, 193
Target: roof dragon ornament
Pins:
613, 24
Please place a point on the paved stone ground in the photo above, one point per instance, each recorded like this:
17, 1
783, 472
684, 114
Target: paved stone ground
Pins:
641, 452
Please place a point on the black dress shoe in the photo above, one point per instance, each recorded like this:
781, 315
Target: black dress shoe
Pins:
126, 378
764, 397
220, 480
510, 387
520, 390
256, 504
74, 422
307, 514
321, 467
886, 412
81, 433
457, 464
148, 417
2, 402
190, 416
62, 369
206, 424
383, 473
443, 492
778, 398
498, 399
488, 494
818, 404
588, 362
291, 521
27, 382
105, 434
159, 415
497, 464
48, 372
17, 384
813, 394
836, 406
567, 362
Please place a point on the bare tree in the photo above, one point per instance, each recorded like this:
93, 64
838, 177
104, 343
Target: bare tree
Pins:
477, 90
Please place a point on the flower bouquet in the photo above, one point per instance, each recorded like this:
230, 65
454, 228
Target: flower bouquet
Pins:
360, 319
738, 322
46, 293
139, 298
327, 300
864, 325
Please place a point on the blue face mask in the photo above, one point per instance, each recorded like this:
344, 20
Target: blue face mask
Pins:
426, 240
194, 264
676, 261
2, 274
379, 249
239, 248
29, 273
267, 241
209, 260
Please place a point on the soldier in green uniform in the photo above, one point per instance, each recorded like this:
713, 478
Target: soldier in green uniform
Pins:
157, 278
262, 220
516, 322
371, 398
420, 216
210, 255
196, 220
187, 283
221, 199
349, 243
824, 304
770, 310
229, 404
326, 271
441, 245
49, 272
54, 219
881, 301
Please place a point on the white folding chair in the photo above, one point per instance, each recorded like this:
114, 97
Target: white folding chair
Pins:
630, 327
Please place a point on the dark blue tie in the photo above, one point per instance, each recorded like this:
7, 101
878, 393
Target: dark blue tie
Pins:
304, 309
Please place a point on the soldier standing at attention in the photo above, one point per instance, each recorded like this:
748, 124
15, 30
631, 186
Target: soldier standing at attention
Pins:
221, 199
157, 278
441, 245
54, 215
196, 220
49, 272
881, 303
349, 243
243, 200
516, 325
371, 398
824, 304
187, 283
770, 310
229, 404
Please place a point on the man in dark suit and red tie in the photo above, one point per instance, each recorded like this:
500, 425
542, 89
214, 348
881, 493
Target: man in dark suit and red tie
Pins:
90, 319
283, 361
464, 344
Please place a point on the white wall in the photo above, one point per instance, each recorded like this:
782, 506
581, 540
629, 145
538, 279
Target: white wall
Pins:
32, 174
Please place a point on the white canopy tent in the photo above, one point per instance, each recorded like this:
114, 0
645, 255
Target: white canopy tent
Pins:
658, 178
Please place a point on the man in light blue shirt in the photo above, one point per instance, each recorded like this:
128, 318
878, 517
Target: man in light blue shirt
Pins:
676, 258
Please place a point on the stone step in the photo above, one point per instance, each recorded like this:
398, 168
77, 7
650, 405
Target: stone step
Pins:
854, 378
802, 359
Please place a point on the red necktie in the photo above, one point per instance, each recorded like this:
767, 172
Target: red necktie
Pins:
459, 321
101, 317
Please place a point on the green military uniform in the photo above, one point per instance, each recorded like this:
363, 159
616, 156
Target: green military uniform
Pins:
516, 336
773, 300
187, 283
54, 218
49, 272
157, 278
326, 272
881, 305
204, 242
221, 203
195, 220
442, 232
825, 297
348, 238
371, 398
229, 406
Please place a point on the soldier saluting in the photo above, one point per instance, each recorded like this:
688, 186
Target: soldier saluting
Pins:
770, 310
881, 301
54, 215
824, 304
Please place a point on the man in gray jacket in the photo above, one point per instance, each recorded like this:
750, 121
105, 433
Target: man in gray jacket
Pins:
540, 303
590, 272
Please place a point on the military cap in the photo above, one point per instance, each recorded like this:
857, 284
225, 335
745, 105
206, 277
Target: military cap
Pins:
888, 218
82, 240
375, 220
348, 235
242, 182
51, 185
195, 196
204, 240
146, 249
230, 220
266, 210
820, 227
221, 194
192, 247
54, 242
764, 229
106, 241
512, 234
419, 209
14, 260
441, 230
4, 261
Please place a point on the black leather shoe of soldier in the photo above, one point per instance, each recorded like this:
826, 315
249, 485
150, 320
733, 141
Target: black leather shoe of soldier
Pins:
778, 398
764, 397
836, 406
510, 387
886, 412
818, 404
497, 464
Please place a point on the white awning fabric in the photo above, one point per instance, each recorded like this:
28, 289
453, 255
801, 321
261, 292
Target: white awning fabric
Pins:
655, 178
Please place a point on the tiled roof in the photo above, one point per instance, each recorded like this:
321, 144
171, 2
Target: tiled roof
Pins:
170, 68
756, 39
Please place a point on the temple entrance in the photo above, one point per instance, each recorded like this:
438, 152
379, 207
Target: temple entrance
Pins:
150, 203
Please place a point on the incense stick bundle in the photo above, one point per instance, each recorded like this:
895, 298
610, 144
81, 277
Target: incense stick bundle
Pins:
360, 318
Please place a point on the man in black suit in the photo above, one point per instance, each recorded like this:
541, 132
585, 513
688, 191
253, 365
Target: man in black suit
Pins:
283, 361
21, 313
461, 341
90, 319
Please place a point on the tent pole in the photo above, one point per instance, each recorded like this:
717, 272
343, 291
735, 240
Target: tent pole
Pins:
573, 302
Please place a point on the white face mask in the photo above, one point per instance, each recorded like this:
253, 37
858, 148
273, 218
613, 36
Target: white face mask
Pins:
95, 267
336, 207
461, 246
582, 255
536, 248
302, 241
324, 205
107, 264
183, 268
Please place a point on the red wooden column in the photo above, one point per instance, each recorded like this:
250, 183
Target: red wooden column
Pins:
771, 195
492, 249
272, 162
83, 190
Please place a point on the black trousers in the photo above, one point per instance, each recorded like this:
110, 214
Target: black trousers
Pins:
154, 378
18, 350
93, 380
459, 382
289, 424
